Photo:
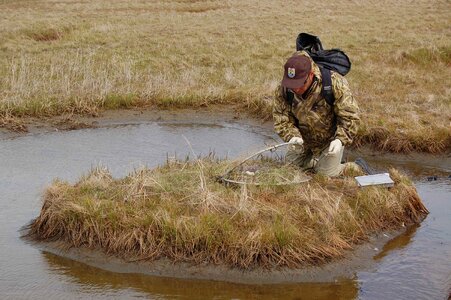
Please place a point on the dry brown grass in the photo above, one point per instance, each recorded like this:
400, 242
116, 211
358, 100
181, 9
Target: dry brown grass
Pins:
180, 212
79, 57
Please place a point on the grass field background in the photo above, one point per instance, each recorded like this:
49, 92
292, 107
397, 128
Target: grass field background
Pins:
61, 57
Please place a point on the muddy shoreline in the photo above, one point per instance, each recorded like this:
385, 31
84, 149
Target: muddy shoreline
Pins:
361, 258
109, 118
208, 116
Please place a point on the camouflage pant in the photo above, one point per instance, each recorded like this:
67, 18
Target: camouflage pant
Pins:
329, 165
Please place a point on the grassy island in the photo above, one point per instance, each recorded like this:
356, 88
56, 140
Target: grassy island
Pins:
73, 57
180, 211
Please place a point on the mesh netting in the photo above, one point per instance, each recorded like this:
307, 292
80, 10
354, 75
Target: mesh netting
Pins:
265, 167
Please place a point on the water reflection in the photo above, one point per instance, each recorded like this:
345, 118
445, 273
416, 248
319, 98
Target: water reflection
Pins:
398, 243
101, 281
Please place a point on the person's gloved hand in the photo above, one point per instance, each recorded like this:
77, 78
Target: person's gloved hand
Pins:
335, 147
296, 140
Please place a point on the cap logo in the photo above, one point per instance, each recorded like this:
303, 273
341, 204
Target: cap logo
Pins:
291, 72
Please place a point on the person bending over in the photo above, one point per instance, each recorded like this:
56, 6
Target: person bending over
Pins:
319, 130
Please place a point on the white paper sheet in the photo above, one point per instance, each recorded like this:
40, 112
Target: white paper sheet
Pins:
376, 179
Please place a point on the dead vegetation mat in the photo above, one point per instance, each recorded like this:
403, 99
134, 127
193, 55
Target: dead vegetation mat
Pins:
181, 212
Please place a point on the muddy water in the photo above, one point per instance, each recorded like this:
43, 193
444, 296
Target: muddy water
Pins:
415, 265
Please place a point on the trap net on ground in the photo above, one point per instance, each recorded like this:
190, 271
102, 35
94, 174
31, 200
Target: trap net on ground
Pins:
265, 167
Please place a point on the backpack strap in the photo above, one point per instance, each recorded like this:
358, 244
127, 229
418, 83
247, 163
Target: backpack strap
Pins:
326, 90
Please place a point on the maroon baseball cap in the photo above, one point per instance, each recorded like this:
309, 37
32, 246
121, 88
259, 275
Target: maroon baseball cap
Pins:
297, 69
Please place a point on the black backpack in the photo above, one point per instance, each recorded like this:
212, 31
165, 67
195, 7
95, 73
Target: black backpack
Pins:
327, 60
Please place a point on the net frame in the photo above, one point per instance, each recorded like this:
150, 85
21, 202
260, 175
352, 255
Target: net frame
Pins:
227, 181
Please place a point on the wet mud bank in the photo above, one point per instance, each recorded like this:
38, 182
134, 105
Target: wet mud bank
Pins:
124, 117
357, 260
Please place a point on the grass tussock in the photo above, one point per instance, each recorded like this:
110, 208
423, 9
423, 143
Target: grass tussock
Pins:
181, 212
426, 56
47, 32
82, 57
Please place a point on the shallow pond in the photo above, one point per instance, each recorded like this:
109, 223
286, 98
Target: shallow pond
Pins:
415, 265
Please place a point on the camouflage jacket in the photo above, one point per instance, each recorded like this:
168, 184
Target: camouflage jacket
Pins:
313, 119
